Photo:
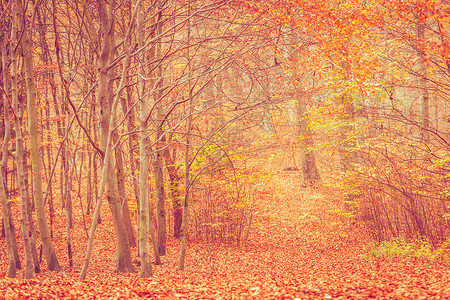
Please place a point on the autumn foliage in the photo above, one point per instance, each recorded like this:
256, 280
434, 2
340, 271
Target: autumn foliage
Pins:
225, 149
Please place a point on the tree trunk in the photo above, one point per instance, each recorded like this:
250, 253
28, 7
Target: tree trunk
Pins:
159, 178
68, 199
308, 158
24, 200
128, 112
424, 97
19, 145
145, 222
108, 111
37, 267
50, 255
90, 190
187, 163
160, 204
347, 143
9, 231
26, 205
47, 59
144, 209
124, 263
123, 197
6, 140
174, 183
95, 160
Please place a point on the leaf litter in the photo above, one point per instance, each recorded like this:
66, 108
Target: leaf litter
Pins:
295, 252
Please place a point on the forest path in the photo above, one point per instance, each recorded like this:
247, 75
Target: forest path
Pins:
298, 251
302, 242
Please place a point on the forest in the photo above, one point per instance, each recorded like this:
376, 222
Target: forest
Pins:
225, 149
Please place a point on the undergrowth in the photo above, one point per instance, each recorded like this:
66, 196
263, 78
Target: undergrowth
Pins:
400, 248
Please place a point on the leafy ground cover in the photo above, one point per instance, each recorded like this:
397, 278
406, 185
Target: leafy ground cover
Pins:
298, 250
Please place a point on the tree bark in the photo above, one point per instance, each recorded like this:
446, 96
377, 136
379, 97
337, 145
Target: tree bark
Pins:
47, 59
347, 143
187, 163
68, 202
159, 178
107, 111
144, 209
124, 263
174, 183
308, 158
19, 146
122, 194
6, 140
49, 253
145, 222
424, 97
24, 200
128, 112
9, 231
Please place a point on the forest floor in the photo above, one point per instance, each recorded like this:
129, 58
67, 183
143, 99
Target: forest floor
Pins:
298, 251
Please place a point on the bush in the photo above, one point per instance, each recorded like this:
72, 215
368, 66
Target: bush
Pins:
415, 249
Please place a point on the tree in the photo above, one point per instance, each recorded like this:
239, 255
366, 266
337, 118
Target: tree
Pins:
159, 123
108, 106
9, 231
187, 161
144, 222
308, 160
7, 216
49, 252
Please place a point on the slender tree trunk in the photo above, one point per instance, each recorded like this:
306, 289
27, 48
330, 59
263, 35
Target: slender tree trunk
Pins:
126, 106
68, 197
159, 178
95, 160
50, 255
14, 241
160, 203
22, 175
90, 190
124, 263
19, 145
145, 222
66, 180
174, 183
37, 267
41, 26
308, 159
24, 200
108, 112
347, 143
424, 97
9, 231
187, 163
123, 198
6, 140
144, 209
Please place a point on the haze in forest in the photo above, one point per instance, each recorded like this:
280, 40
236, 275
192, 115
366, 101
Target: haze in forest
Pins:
220, 149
